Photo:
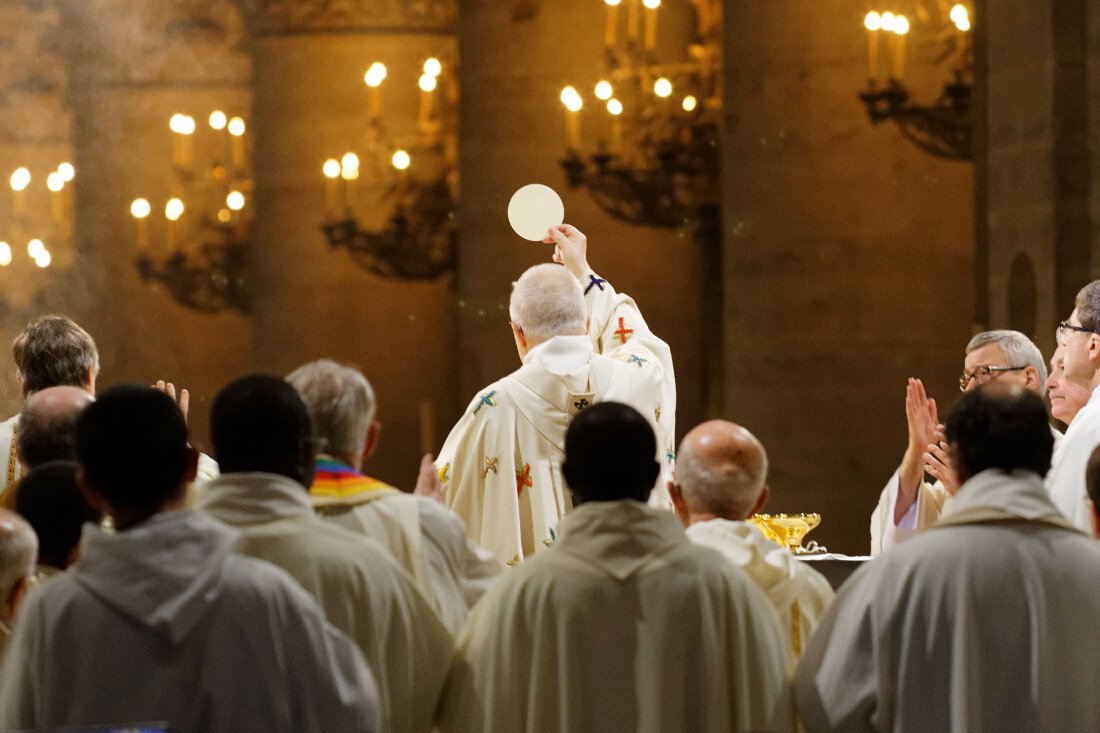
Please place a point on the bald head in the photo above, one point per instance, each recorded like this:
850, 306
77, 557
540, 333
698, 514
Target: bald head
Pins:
18, 553
47, 425
721, 470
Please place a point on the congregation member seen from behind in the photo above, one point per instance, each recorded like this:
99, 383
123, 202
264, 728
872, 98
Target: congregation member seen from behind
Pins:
160, 620
985, 622
624, 625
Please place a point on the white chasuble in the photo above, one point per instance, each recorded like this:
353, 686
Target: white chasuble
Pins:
501, 464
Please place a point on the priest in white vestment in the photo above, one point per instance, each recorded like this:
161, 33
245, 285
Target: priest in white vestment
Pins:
580, 343
623, 625
52, 351
18, 552
721, 480
984, 623
262, 437
425, 537
161, 621
909, 504
1080, 339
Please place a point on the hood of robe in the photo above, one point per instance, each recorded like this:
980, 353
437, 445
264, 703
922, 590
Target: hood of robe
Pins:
618, 537
776, 571
164, 573
241, 499
1019, 493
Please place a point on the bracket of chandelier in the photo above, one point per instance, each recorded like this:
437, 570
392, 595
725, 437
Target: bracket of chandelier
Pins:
655, 125
198, 252
945, 127
411, 179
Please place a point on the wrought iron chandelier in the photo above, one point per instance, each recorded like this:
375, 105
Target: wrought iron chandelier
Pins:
945, 127
412, 178
199, 251
655, 158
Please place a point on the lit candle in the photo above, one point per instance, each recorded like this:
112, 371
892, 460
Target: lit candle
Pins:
140, 210
615, 109
901, 28
651, 23
20, 179
573, 105
961, 18
237, 127
55, 183
612, 22
173, 210
331, 169
886, 24
873, 22
184, 129
401, 161
427, 427
349, 172
632, 22
374, 77
427, 87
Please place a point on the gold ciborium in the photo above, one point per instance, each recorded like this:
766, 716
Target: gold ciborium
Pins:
787, 530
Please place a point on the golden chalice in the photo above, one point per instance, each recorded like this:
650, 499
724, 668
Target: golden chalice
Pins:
786, 530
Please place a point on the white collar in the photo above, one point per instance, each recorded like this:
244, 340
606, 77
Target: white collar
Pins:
254, 498
561, 355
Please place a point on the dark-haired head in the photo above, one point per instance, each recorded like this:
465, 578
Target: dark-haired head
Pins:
609, 454
49, 499
133, 453
1001, 427
259, 423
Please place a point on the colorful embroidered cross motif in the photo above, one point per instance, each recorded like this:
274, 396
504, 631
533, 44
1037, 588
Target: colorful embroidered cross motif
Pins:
581, 404
513, 562
671, 454
595, 282
523, 479
635, 359
552, 539
486, 399
623, 333
657, 413
443, 473
490, 465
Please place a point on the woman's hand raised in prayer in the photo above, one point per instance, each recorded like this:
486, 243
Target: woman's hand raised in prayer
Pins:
169, 389
571, 249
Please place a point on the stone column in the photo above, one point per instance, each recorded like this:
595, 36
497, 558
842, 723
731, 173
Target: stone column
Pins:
848, 256
516, 57
132, 64
310, 104
1040, 168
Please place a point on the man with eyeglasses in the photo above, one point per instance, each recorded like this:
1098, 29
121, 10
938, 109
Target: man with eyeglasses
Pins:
908, 503
1079, 339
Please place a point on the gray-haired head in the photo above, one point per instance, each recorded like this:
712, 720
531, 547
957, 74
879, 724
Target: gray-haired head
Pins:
18, 554
547, 301
341, 401
721, 469
1018, 349
1088, 306
54, 351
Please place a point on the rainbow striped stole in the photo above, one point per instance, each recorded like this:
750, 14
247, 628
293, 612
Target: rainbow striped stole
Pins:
337, 481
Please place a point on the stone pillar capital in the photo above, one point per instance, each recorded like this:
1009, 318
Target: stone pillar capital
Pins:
284, 17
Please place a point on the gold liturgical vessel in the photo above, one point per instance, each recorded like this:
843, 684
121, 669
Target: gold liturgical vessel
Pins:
788, 530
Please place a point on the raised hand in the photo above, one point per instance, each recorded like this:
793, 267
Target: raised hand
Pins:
922, 419
428, 484
937, 462
571, 249
169, 389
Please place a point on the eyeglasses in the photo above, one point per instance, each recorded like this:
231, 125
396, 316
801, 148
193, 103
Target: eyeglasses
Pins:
1067, 326
983, 374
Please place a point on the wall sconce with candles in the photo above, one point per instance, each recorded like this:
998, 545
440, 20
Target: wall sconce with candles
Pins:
944, 128
198, 250
655, 160
414, 176
43, 235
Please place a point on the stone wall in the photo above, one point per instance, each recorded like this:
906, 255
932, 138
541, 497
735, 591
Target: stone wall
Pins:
848, 261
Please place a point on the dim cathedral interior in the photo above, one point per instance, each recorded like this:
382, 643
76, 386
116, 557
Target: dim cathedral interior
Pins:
810, 201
